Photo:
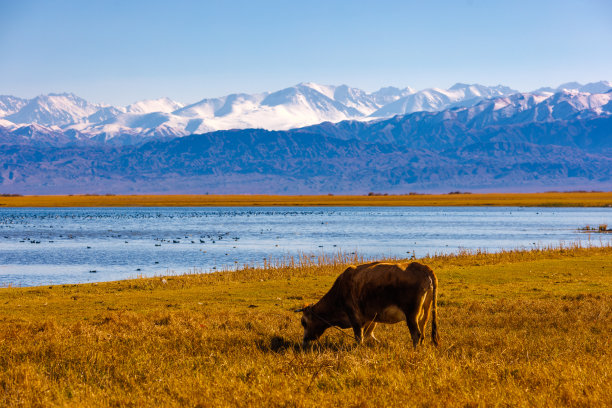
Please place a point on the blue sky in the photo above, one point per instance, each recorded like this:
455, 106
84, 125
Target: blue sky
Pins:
122, 51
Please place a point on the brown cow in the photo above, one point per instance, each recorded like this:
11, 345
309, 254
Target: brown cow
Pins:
376, 293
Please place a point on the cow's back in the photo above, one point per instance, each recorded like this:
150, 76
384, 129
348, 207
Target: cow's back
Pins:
379, 287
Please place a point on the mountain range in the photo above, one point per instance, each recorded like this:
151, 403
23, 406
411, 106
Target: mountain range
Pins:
297, 106
468, 137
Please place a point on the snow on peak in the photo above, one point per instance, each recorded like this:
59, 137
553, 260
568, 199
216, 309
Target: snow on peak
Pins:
10, 104
165, 105
569, 86
390, 94
327, 90
597, 87
592, 88
54, 109
6, 124
458, 86
435, 99
477, 90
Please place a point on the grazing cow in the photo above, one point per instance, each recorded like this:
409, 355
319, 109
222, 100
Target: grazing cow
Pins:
376, 293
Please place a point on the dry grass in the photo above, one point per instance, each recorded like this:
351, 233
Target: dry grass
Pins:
517, 329
572, 199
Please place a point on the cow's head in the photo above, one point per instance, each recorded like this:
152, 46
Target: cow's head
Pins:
313, 325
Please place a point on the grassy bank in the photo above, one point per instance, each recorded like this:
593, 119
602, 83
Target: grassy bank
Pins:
517, 328
577, 199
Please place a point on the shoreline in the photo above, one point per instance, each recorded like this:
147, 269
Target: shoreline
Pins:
292, 264
549, 199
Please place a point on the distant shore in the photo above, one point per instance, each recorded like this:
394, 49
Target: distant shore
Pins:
458, 199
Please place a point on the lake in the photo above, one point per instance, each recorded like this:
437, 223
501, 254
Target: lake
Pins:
75, 245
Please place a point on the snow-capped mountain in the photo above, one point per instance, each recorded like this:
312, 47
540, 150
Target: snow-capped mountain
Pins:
10, 104
388, 94
511, 142
300, 105
435, 99
297, 106
54, 109
503, 117
164, 105
597, 87
593, 87
350, 97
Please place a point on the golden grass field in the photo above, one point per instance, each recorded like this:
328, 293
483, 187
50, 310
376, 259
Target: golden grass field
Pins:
571, 199
520, 328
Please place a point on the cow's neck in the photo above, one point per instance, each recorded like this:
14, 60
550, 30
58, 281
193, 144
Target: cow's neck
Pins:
331, 306
330, 311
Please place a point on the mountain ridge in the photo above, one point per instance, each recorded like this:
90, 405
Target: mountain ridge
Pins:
537, 141
301, 105
530, 156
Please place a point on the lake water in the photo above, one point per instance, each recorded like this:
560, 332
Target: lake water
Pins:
76, 245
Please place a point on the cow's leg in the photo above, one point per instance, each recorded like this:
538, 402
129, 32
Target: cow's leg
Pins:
424, 315
357, 327
412, 320
369, 331
415, 333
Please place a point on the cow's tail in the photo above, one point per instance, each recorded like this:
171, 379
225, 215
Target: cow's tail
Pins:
434, 318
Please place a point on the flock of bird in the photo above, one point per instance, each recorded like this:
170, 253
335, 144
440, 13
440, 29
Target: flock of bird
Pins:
66, 234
